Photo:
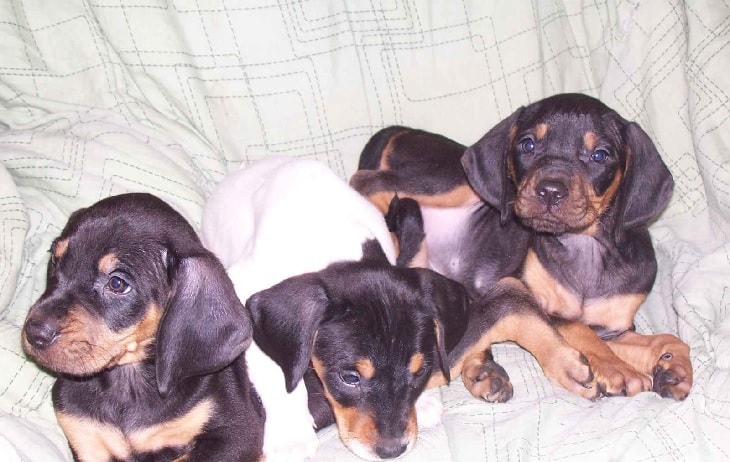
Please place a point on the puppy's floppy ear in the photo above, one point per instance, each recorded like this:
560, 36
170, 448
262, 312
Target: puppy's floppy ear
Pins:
647, 186
204, 327
448, 302
285, 318
485, 165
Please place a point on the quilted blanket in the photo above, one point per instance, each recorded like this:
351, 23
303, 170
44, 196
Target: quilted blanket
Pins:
100, 97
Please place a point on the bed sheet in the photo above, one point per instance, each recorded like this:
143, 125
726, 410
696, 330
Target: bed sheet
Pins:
100, 97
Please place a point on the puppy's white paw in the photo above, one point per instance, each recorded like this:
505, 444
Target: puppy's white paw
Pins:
429, 408
289, 429
287, 439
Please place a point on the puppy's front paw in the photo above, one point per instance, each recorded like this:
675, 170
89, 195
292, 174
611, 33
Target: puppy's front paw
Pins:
616, 378
570, 369
289, 440
487, 380
429, 409
673, 372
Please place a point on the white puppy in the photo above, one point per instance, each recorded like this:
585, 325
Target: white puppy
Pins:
278, 218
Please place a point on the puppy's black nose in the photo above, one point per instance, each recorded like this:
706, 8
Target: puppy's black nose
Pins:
40, 334
551, 192
390, 449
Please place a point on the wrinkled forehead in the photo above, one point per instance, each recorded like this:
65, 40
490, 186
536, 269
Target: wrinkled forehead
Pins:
573, 120
106, 248
360, 335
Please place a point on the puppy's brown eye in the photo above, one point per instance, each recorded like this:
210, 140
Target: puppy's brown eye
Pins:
527, 144
350, 378
118, 285
600, 156
421, 371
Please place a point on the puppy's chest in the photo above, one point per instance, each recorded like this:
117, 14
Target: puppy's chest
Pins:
576, 277
120, 422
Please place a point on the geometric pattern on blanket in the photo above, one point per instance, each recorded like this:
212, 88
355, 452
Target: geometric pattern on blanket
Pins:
107, 96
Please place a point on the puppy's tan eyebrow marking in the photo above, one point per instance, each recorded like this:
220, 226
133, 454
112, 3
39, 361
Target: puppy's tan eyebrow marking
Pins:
590, 140
365, 368
416, 362
108, 262
541, 130
59, 248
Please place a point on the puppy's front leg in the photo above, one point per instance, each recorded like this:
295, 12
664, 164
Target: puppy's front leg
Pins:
614, 376
508, 312
289, 434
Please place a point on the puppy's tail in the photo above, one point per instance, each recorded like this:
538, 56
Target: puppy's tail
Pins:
404, 219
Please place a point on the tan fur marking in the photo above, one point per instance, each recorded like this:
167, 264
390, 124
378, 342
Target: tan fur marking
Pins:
643, 351
93, 441
616, 312
600, 203
460, 196
552, 297
437, 379
541, 130
613, 374
381, 200
416, 363
143, 335
387, 151
357, 430
528, 331
365, 368
59, 250
590, 140
647, 352
174, 433
86, 345
108, 263
579, 211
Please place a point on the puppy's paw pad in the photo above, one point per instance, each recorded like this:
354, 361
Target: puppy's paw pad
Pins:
429, 409
488, 381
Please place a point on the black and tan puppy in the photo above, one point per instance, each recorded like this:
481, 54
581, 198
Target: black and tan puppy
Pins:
557, 195
146, 334
374, 335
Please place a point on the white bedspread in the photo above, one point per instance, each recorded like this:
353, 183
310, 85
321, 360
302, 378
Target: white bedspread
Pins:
100, 97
